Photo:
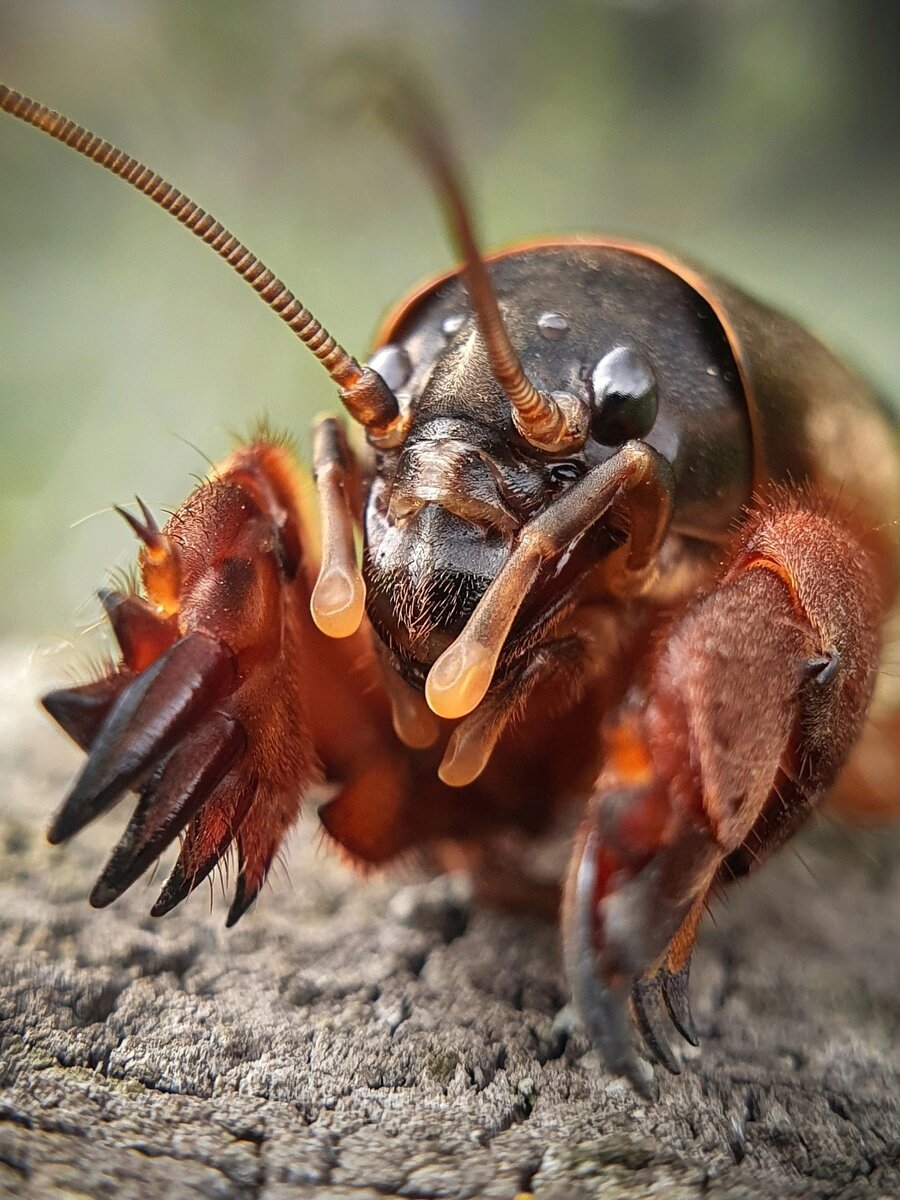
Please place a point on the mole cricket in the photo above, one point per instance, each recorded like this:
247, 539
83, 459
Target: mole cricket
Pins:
630, 542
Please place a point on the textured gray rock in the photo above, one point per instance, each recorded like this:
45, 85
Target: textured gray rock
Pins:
363, 1038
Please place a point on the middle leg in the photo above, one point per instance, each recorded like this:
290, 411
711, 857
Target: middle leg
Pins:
752, 706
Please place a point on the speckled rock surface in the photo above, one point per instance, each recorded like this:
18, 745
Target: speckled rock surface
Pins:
366, 1039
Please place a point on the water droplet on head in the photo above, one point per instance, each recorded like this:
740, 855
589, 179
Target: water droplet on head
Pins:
552, 326
450, 326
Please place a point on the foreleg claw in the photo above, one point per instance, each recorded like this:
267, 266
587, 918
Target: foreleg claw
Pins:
205, 716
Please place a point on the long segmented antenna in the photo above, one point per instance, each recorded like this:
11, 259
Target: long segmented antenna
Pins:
549, 422
363, 392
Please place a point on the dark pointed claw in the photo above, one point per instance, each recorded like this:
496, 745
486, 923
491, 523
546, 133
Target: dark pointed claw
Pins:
625, 903
601, 1005
243, 898
676, 994
253, 869
151, 715
81, 710
605, 1016
169, 801
149, 519
197, 860
646, 1001
147, 530
178, 886
182, 880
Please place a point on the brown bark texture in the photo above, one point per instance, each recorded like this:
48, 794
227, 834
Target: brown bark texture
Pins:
360, 1038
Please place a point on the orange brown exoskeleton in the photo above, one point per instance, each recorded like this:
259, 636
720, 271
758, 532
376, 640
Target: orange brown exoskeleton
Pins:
629, 546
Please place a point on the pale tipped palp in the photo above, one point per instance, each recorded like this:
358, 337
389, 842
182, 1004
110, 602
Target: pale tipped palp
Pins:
338, 601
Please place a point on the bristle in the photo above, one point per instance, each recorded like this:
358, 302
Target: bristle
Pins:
169, 801
262, 430
125, 579
146, 721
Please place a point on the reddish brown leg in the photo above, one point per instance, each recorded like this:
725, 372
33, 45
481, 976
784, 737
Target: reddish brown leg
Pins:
228, 703
750, 710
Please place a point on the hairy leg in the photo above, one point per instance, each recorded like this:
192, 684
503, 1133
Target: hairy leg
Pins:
750, 709
228, 704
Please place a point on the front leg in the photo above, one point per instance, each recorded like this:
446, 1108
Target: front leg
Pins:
228, 704
751, 708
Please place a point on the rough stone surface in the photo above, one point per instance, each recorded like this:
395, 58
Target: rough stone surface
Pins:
347, 1041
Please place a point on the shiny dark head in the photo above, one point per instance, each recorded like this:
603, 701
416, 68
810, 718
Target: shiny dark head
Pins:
446, 507
441, 519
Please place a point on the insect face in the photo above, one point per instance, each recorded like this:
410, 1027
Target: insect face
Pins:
441, 520
446, 507
560, 443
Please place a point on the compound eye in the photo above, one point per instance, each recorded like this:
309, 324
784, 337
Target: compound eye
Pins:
625, 401
393, 365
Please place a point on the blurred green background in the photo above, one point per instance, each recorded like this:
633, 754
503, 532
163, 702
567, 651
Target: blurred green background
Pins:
758, 136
